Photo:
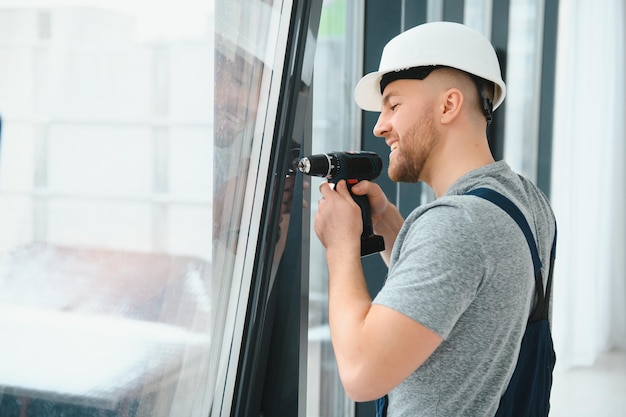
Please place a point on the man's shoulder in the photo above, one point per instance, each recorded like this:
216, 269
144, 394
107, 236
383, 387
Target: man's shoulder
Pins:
448, 209
450, 219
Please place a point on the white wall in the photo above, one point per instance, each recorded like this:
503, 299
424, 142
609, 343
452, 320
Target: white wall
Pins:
106, 137
589, 182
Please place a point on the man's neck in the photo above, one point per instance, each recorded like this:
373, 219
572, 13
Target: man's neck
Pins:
456, 159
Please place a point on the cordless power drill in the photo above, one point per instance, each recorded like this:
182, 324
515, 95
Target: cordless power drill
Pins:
351, 167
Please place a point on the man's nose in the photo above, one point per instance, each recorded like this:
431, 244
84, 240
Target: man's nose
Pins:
382, 126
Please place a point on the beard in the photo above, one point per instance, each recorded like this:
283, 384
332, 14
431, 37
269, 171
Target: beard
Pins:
415, 148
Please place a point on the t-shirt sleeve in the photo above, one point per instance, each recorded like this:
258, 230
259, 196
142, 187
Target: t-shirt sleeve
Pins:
436, 269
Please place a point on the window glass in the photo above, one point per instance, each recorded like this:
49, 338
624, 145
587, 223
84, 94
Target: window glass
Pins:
477, 15
522, 76
107, 179
523, 81
336, 120
248, 36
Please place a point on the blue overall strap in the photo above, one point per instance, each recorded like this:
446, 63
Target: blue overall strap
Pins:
540, 312
381, 406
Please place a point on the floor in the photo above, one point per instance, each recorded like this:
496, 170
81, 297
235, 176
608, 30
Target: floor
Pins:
597, 391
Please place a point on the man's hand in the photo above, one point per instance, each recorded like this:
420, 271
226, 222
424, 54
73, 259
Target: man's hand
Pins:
338, 222
375, 195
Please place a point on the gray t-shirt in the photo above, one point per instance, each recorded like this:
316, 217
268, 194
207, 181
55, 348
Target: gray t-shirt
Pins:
462, 267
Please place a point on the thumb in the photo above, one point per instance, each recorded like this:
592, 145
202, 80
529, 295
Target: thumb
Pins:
361, 187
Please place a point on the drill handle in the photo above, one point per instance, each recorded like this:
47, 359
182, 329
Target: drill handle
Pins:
370, 243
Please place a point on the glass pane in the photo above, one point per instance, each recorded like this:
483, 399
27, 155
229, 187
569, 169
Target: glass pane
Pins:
336, 121
247, 74
523, 81
106, 208
477, 15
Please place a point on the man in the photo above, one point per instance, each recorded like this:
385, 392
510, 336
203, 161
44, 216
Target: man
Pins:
441, 338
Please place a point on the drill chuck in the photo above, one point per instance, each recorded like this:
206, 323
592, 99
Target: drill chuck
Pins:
337, 166
322, 165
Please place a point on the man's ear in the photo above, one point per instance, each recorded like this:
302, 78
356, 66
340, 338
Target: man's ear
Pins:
451, 104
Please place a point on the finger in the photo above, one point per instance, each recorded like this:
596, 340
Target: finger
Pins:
342, 189
325, 189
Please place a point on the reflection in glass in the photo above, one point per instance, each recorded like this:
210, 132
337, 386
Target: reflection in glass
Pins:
241, 41
238, 71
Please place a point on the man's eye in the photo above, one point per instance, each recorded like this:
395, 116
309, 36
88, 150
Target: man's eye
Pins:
393, 107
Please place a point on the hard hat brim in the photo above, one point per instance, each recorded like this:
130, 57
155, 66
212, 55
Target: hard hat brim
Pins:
367, 92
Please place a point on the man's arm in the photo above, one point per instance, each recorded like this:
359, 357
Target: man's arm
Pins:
376, 347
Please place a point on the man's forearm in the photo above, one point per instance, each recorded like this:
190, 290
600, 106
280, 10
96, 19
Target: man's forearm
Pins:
349, 303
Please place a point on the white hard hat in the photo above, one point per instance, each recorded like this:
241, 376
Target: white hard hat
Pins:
438, 43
